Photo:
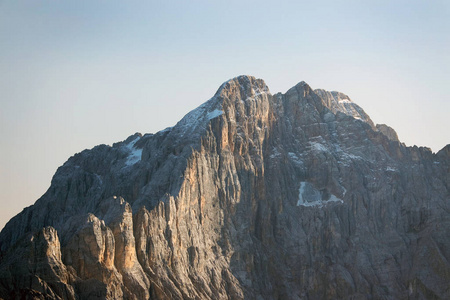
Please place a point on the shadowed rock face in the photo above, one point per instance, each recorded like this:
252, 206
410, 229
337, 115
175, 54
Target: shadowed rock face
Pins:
251, 195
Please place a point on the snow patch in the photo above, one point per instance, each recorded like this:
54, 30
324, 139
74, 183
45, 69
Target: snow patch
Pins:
275, 153
198, 118
347, 155
309, 196
256, 93
293, 156
192, 118
134, 154
348, 107
295, 159
318, 147
345, 101
214, 114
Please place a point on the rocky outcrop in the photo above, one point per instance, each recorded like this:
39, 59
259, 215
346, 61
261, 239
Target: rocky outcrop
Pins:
251, 195
339, 102
388, 131
34, 269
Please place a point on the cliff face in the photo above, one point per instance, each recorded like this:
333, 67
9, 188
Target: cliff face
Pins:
251, 195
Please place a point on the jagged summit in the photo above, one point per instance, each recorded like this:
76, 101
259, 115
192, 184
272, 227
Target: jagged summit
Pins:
249, 196
231, 97
302, 85
242, 84
244, 87
339, 102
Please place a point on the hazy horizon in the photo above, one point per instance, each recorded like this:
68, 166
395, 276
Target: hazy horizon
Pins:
75, 75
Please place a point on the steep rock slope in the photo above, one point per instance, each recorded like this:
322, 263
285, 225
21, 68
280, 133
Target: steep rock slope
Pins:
251, 195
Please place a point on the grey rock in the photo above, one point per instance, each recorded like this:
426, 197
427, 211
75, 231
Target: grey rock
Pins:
388, 131
251, 195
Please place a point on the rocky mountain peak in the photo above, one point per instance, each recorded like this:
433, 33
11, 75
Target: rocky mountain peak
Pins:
249, 196
340, 102
303, 86
243, 86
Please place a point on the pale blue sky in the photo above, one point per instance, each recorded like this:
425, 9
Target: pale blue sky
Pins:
74, 74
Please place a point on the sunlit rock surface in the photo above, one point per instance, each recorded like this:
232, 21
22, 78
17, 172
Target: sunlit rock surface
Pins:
251, 195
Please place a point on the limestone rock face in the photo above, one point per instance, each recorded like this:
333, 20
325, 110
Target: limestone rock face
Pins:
91, 253
33, 268
251, 195
388, 131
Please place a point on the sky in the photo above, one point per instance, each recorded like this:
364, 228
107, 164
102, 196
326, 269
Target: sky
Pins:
75, 74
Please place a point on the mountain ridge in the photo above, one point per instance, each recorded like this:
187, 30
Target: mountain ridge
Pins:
196, 210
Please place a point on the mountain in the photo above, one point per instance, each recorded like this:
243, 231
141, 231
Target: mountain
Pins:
251, 195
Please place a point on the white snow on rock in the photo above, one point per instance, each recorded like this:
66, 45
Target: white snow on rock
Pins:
295, 159
135, 154
214, 114
275, 153
347, 106
309, 196
337, 101
256, 93
318, 147
198, 118
193, 117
